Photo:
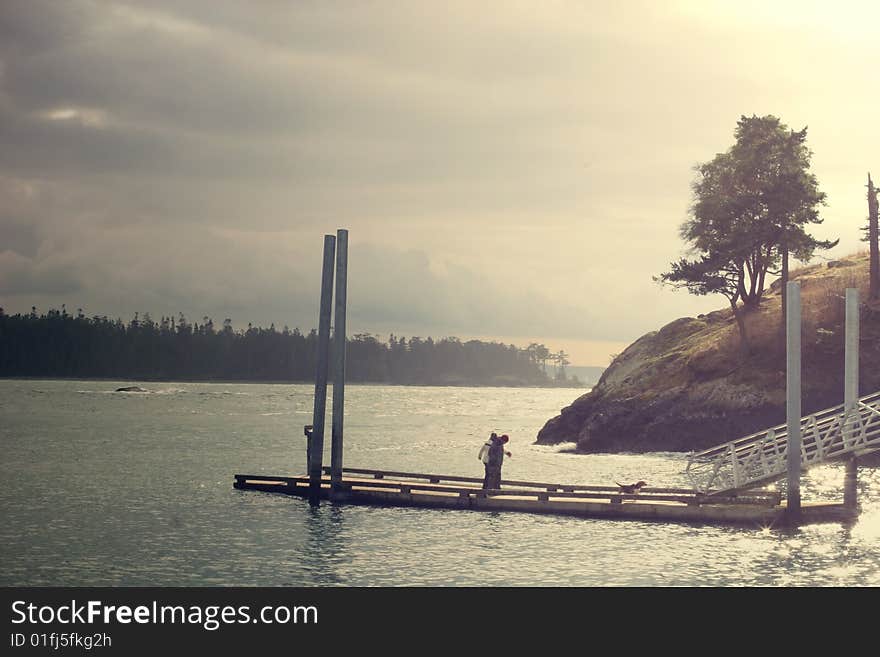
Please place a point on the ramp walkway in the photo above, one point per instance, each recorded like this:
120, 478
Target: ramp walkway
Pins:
761, 458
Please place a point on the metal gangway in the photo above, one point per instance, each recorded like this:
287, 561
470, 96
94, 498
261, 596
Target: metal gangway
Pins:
761, 458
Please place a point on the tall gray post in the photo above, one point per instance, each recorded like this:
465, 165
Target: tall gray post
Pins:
317, 439
851, 392
793, 397
339, 346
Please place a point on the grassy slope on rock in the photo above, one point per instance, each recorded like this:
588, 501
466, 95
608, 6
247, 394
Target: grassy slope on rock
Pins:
688, 386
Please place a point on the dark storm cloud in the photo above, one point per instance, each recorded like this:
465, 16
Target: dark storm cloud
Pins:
353, 116
40, 146
23, 276
149, 71
19, 236
39, 25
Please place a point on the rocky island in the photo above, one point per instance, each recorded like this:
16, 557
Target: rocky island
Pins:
690, 386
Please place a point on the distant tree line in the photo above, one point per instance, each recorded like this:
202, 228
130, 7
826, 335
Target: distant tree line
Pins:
60, 344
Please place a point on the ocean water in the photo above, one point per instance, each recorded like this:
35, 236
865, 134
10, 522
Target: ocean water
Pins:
135, 489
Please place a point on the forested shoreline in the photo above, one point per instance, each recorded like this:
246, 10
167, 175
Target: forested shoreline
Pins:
59, 344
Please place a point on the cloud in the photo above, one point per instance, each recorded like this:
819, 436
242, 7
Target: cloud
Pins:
506, 169
22, 276
399, 291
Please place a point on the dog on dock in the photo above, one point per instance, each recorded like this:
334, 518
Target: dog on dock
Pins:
631, 489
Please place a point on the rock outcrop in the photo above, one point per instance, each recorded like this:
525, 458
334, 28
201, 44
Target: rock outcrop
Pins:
689, 386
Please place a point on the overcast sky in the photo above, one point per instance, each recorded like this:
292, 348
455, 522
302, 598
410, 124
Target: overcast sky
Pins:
506, 170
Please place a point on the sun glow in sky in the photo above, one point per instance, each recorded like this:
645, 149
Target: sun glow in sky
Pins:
515, 169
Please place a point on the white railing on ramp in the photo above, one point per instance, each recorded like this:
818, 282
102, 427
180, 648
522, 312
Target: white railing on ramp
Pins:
761, 458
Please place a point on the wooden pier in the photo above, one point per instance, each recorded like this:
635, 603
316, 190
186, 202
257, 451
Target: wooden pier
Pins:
758, 508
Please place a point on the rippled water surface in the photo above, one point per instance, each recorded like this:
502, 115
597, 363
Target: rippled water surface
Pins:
106, 488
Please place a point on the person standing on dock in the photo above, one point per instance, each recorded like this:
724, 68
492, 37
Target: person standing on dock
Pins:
483, 456
494, 460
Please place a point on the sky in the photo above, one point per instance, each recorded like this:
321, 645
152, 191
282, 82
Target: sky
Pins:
506, 170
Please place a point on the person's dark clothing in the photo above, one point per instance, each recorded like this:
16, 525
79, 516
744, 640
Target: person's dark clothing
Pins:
493, 465
488, 477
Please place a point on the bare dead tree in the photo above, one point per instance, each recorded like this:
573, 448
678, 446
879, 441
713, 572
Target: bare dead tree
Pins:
874, 293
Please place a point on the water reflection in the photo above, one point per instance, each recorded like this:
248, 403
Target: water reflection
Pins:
324, 550
823, 555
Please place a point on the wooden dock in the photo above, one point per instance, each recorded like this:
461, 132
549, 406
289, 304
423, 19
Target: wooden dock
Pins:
387, 488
